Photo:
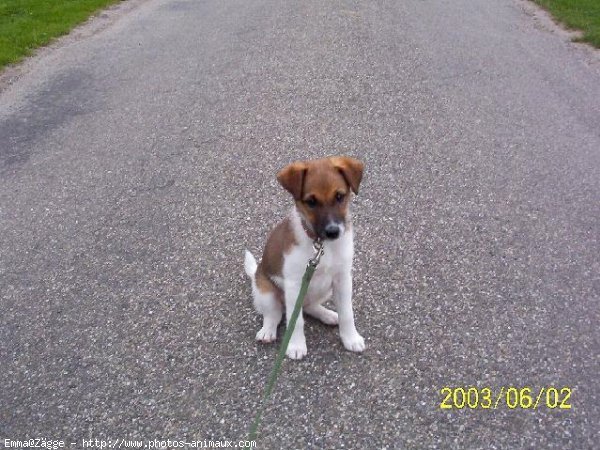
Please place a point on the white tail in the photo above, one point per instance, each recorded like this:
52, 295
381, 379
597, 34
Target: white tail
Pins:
250, 264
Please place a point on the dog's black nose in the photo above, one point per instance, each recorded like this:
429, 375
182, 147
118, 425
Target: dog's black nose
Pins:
332, 231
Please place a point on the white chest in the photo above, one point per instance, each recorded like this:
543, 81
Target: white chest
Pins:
336, 259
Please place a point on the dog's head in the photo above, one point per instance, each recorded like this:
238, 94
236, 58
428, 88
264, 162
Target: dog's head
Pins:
321, 189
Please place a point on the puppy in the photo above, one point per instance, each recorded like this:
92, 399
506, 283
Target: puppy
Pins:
322, 191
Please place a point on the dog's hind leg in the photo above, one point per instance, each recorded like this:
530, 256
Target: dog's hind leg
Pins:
266, 303
267, 300
318, 311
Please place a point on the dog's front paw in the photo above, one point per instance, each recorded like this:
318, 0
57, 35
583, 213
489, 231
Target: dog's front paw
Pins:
354, 342
296, 350
266, 335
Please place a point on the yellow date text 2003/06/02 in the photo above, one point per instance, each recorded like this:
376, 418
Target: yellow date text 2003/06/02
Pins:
511, 397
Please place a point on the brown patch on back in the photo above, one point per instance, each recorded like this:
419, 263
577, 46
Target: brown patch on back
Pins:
265, 285
279, 242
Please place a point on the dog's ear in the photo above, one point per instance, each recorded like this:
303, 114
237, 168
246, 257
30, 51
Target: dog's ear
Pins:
351, 169
291, 177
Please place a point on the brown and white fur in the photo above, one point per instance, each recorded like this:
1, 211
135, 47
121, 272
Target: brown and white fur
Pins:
321, 189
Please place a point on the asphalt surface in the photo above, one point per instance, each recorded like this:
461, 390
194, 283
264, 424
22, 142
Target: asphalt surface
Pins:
137, 163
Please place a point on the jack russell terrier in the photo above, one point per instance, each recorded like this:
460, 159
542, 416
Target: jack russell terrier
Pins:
321, 190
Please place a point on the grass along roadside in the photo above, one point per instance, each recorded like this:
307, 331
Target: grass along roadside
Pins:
581, 15
28, 24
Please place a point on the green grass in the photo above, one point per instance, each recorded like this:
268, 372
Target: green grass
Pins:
581, 15
28, 24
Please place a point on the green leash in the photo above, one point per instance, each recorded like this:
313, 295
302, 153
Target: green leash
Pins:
310, 270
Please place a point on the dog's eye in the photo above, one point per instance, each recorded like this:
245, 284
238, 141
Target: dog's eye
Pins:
339, 197
311, 202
